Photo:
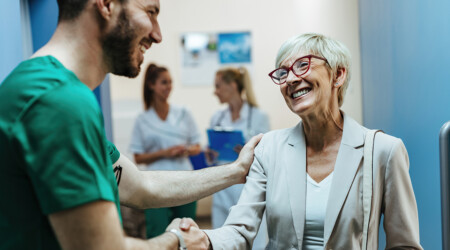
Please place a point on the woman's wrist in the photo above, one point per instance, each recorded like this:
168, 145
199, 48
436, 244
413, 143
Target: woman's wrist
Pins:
210, 247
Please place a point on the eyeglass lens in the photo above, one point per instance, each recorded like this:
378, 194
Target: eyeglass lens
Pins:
299, 68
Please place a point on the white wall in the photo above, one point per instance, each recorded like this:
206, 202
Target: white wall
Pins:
270, 24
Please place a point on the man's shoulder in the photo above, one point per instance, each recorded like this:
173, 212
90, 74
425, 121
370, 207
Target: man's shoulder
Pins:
41, 85
73, 100
36, 69
37, 76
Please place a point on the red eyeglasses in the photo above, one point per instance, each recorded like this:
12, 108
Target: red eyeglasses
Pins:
299, 68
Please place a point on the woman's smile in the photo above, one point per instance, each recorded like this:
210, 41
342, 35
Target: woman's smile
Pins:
300, 93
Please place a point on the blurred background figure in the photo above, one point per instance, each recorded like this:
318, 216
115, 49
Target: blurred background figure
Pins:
241, 114
163, 138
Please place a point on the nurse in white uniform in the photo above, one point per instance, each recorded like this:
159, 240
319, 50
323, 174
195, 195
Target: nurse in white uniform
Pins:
164, 135
243, 115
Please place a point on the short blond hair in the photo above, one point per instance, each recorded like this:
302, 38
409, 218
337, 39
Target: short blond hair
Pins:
336, 53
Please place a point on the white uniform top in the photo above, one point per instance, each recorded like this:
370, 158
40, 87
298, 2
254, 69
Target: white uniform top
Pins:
151, 134
316, 206
252, 121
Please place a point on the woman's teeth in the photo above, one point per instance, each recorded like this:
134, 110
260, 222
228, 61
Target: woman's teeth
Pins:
301, 93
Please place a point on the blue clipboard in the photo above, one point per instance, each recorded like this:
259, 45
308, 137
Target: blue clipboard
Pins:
198, 161
224, 142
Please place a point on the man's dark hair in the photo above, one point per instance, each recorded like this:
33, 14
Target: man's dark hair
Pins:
71, 9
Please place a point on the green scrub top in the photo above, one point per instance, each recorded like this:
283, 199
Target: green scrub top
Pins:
53, 152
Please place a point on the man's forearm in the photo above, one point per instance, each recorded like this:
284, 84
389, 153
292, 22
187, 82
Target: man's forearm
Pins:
96, 225
152, 189
175, 188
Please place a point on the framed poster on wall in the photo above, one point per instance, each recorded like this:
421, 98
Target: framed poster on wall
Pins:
202, 54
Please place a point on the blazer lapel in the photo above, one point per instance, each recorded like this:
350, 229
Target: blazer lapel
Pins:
296, 177
347, 164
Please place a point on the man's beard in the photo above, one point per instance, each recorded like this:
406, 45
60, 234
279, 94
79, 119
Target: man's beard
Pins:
117, 48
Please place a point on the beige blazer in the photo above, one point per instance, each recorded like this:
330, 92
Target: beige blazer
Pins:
277, 184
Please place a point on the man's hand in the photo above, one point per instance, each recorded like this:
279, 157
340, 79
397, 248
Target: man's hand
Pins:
245, 158
194, 238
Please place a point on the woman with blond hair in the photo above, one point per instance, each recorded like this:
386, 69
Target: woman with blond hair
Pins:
233, 87
326, 182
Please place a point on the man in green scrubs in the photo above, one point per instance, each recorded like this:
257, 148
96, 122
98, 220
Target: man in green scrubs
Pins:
57, 187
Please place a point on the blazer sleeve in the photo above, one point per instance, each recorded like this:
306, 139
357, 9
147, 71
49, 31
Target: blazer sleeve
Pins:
401, 222
244, 219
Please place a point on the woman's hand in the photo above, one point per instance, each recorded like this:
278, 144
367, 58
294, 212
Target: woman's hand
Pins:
193, 149
211, 156
175, 151
238, 148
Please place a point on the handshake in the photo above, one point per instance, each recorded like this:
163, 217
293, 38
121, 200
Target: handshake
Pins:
188, 234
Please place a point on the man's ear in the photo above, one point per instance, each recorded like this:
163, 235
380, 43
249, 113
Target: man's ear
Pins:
106, 8
339, 77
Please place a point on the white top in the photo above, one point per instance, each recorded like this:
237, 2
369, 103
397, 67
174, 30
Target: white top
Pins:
151, 134
252, 121
316, 206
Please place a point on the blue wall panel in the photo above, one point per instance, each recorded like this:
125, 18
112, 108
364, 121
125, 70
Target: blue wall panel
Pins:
43, 18
406, 89
11, 41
